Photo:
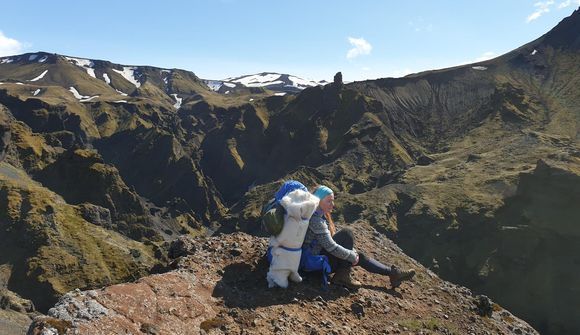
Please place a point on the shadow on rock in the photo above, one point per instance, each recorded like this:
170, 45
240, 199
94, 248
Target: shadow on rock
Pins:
244, 286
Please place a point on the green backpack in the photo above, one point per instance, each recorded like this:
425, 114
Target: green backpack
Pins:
273, 217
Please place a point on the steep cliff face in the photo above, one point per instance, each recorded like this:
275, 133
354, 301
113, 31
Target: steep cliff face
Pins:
536, 255
47, 248
522, 248
219, 286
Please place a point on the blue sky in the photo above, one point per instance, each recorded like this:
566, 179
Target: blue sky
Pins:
312, 39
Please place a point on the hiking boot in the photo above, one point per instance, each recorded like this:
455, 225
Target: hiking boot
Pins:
343, 277
397, 276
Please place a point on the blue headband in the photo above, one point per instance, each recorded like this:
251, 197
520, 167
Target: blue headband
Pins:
322, 192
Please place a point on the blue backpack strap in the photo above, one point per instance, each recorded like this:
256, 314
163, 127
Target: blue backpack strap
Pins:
291, 249
269, 252
269, 255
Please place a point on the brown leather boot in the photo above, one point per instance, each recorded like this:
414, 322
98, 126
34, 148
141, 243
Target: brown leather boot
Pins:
343, 277
397, 276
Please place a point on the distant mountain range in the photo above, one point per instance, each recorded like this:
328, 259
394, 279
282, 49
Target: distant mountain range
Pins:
122, 80
276, 82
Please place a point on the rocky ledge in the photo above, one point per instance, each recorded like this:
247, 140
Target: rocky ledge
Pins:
217, 285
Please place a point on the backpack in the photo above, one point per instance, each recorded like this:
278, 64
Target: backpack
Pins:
273, 213
273, 217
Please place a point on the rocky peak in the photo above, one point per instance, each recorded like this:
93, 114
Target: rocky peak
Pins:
565, 34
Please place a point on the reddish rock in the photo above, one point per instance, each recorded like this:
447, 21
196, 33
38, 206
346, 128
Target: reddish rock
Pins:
170, 303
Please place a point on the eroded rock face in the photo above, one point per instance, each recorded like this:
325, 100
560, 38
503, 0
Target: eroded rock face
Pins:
512, 251
158, 167
77, 171
97, 215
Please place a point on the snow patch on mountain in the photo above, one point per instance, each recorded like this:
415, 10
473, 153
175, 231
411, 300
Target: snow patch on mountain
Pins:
76, 93
302, 83
6, 60
107, 79
35, 93
89, 99
40, 76
165, 75
43, 59
178, 100
82, 62
479, 68
273, 81
129, 74
256, 80
214, 85
86, 64
32, 57
121, 93
80, 97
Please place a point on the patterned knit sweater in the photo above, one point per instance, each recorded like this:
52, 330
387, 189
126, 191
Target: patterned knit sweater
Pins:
318, 230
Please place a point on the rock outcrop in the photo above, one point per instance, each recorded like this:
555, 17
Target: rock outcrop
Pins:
171, 303
16, 313
220, 287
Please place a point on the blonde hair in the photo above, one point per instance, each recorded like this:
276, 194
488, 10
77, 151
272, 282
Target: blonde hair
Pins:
331, 226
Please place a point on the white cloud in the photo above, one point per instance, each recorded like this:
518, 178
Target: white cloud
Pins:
567, 3
542, 8
360, 47
9, 46
419, 25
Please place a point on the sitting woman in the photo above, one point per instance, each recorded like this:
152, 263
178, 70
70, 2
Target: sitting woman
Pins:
321, 239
